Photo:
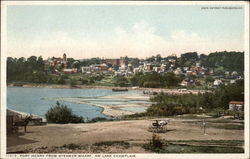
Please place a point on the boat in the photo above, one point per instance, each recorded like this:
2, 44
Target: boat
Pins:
119, 89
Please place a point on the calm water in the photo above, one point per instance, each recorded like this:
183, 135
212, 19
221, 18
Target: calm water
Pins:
39, 100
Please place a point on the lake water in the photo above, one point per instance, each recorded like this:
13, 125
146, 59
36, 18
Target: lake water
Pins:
38, 100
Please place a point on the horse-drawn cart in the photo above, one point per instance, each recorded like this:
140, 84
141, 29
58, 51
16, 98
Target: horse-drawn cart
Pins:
158, 126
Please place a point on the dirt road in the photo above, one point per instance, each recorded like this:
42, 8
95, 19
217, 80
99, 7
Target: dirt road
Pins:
132, 131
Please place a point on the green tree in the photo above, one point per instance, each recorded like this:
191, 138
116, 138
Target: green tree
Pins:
121, 81
62, 114
158, 58
209, 79
73, 82
70, 62
170, 104
171, 80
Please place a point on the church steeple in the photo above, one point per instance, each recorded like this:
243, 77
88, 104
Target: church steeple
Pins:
64, 57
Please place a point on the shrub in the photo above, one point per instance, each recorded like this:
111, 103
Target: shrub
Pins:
156, 141
71, 146
121, 81
152, 84
62, 114
155, 144
73, 82
61, 81
113, 143
77, 119
84, 81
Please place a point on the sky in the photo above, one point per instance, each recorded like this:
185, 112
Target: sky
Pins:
113, 31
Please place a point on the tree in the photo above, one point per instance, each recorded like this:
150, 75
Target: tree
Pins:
224, 94
136, 79
126, 59
209, 79
40, 63
170, 79
76, 64
135, 62
73, 82
190, 56
229, 61
170, 104
70, 62
62, 114
158, 58
23, 70
121, 81
151, 59
61, 80
188, 59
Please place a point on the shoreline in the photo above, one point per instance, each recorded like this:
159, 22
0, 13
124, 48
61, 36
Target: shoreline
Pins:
114, 110
147, 90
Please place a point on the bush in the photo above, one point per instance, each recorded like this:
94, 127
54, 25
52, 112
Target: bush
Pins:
61, 81
62, 114
156, 141
155, 145
71, 146
73, 82
121, 81
152, 84
77, 119
113, 143
84, 81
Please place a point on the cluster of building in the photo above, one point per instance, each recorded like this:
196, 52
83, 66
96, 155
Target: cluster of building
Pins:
61, 62
58, 61
120, 67
144, 66
106, 65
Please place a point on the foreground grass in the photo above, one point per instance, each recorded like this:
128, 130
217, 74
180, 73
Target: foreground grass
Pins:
229, 126
203, 146
182, 148
113, 143
190, 116
172, 146
226, 121
220, 124
72, 146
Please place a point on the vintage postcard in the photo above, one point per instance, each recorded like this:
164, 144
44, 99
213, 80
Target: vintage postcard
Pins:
126, 79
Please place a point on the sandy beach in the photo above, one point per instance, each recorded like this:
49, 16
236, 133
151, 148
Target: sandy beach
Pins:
114, 110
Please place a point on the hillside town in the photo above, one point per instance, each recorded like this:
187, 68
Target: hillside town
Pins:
126, 67
124, 80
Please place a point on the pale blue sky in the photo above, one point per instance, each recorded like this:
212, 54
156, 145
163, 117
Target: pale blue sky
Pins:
96, 23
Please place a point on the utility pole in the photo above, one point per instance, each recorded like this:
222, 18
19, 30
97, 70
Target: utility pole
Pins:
204, 127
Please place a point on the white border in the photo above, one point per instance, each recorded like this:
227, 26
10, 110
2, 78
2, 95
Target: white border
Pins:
4, 5
246, 91
3, 80
125, 3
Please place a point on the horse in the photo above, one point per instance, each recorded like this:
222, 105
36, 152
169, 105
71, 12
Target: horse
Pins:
162, 123
159, 125
23, 122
